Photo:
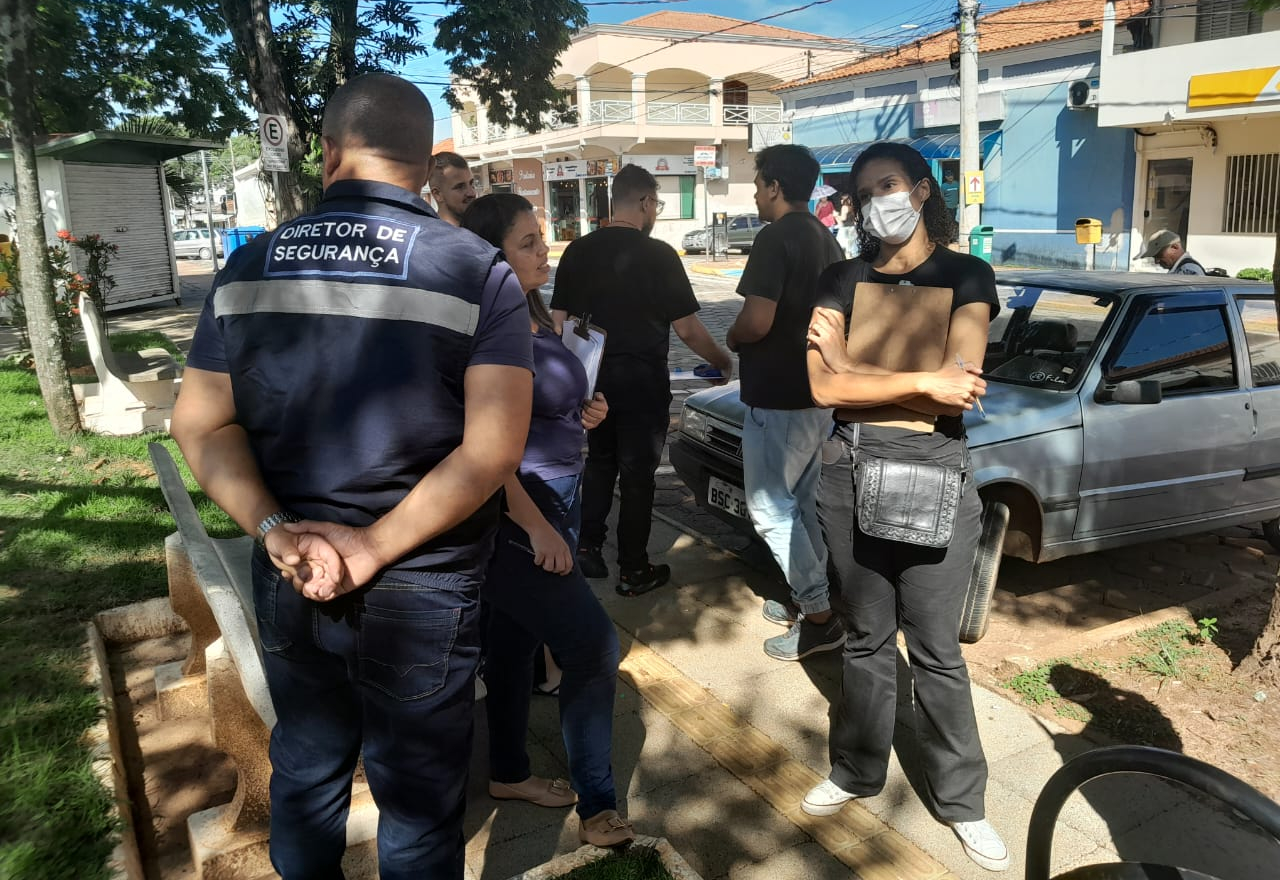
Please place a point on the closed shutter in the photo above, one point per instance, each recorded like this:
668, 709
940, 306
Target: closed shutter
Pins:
1217, 19
104, 198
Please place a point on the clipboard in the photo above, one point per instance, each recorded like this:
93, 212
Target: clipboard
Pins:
586, 341
902, 328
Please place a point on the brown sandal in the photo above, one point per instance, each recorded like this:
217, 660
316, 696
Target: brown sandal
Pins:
535, 790
606, 829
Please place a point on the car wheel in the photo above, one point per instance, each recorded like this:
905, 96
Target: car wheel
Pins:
975, 615
1271, 531
205, 253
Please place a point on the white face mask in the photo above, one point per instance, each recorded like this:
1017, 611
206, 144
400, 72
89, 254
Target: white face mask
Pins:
891, 218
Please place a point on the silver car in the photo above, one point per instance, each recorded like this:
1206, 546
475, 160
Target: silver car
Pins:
742, 231
196, 243
1120, 408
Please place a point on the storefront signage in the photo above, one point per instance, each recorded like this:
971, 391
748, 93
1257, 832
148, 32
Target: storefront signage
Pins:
659, 165
1234, 87
946, 111
577, 169
499, 175
704, 157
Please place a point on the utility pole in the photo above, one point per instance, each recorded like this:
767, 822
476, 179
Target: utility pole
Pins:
231, 149
970, 160
208, 210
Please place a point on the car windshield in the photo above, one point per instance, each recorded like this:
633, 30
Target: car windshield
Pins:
1044, 338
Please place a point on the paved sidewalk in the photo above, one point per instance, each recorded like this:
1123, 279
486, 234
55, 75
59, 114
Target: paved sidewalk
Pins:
715, 745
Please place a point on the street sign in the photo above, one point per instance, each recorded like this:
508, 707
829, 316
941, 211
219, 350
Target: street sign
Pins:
273, 131
975, 188
704, 157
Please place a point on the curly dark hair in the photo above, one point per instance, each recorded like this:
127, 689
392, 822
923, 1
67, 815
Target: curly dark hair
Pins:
938, 222
491, 217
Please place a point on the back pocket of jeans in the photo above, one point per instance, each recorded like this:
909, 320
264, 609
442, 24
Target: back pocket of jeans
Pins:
405, 654
267, 583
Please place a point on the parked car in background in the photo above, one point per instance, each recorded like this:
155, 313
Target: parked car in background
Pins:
196, 243
1120, 408
742, 234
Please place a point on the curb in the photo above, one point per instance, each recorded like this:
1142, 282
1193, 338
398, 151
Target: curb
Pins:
727, 271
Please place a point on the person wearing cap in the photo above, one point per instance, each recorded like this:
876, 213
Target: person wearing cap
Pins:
1165, 247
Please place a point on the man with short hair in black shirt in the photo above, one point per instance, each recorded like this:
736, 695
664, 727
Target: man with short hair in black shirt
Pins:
783, 432
634, 288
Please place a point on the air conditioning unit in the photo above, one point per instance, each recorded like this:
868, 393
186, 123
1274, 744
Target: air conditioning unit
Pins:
1082, 94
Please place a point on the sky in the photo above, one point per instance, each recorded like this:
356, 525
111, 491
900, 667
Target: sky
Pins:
885, 22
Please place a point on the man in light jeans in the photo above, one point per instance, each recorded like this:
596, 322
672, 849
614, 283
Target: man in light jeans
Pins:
783, 433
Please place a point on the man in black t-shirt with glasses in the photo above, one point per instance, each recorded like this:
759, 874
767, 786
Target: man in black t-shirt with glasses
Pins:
634, 288
783, 432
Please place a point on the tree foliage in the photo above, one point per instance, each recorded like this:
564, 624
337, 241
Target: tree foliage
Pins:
96, 61
507, 51
324, 43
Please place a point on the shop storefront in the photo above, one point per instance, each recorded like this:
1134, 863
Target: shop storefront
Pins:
577, 193
501, 180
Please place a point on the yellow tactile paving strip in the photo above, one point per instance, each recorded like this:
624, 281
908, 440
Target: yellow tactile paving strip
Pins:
872, 849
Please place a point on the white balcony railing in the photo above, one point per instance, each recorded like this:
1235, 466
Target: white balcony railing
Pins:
611, 111
469, 136
742, 114
679, 113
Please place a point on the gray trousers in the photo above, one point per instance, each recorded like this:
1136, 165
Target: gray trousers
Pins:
879, 587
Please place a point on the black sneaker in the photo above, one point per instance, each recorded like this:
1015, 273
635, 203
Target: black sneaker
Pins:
591, 562
639, 581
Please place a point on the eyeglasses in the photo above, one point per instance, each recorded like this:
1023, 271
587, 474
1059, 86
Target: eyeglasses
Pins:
658, 203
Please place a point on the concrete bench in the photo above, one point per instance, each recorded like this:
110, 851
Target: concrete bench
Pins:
210, 587
135, 392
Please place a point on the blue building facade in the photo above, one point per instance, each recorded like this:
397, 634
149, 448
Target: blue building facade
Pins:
1046, 165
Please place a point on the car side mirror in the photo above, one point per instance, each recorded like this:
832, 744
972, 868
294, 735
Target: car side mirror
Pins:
1145, 391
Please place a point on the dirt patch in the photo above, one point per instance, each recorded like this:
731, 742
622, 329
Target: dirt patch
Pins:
1170, 686
172, 767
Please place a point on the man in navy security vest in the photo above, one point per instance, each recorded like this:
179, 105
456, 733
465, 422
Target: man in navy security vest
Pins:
358, 389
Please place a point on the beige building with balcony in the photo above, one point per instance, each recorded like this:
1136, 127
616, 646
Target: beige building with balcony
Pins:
647, 92
1199, 82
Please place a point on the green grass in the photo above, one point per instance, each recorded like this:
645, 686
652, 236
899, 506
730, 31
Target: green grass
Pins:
636, 863
82, 528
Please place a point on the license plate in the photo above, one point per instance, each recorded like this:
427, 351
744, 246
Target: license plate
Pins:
727, 497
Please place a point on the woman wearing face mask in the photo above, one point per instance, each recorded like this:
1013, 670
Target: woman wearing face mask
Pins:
884, 582
535, 593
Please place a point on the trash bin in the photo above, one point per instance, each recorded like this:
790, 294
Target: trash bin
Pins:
236, 236
1088, 230
980, 241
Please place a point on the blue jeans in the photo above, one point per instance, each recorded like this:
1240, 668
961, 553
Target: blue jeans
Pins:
781, 462
529, 607
386, 671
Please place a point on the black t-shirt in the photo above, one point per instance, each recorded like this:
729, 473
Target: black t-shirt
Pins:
786, 259
970, 280
633, 287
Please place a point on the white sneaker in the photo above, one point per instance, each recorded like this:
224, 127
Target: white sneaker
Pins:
982, 844
825, 799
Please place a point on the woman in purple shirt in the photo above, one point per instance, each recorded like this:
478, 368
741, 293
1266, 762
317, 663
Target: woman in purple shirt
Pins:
535, 593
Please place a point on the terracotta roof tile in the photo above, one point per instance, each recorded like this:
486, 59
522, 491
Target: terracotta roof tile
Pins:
444, 146
1026, 24
704, 23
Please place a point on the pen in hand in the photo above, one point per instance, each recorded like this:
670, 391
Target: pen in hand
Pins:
982, 412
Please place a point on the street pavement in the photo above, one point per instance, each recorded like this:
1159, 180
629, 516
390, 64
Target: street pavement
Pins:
715, 743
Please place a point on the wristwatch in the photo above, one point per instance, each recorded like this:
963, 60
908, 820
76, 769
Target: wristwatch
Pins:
280, 516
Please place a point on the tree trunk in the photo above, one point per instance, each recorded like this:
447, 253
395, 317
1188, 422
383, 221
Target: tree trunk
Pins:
1263, 662
249, 22
17, 20
343, 26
